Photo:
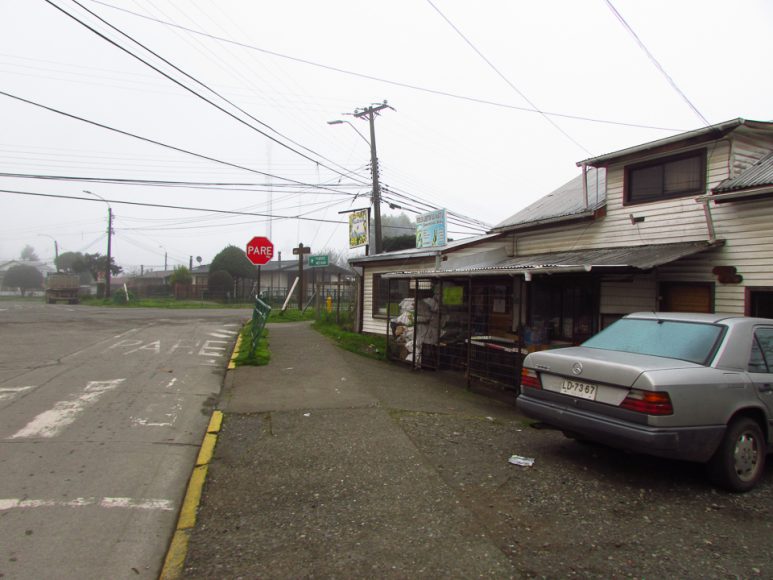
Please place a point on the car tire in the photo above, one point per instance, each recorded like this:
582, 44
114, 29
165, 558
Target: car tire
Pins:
739, 462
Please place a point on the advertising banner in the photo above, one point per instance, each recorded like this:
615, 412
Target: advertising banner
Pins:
358, 228
431, 229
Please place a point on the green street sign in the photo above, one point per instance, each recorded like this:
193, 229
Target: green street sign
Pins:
319, 261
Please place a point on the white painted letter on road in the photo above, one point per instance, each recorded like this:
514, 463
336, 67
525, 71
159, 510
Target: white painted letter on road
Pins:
64, 413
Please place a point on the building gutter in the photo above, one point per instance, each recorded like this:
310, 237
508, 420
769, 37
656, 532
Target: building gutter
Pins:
737, 195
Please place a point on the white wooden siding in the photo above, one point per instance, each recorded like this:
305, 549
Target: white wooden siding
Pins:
747, 150
632, 295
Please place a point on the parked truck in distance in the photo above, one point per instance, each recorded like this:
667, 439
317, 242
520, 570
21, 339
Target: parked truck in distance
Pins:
62, 287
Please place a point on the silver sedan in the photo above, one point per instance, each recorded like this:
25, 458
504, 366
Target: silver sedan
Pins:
697, 387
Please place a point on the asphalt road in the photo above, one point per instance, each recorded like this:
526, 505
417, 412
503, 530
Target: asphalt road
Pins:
102, 412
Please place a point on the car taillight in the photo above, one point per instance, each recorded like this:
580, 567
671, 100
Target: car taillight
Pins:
651, 403
530, 378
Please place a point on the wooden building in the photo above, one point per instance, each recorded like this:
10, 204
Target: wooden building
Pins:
676, 224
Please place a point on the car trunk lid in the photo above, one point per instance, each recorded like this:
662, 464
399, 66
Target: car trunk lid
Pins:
599, 366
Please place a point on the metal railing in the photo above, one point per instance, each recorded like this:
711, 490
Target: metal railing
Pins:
259, 318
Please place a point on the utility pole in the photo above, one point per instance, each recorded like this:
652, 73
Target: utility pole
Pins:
109, 246
109, 240
370, 113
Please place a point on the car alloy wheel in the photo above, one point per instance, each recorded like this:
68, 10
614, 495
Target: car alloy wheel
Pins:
747, 456
739, 461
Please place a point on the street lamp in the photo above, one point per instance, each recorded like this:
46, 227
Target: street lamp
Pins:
356, 130
109, 240
56, 250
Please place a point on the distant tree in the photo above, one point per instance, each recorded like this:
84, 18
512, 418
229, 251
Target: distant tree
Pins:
220, 284
395, 243
97, 263
24, 278
398, 233
181, 275
28, 254
395, 226
71, 262
234, 261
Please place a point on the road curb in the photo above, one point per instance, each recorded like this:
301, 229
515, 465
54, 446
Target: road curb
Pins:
232, 362
178, 548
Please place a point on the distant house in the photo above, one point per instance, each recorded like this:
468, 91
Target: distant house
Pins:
41, 267
681, 223
275, 279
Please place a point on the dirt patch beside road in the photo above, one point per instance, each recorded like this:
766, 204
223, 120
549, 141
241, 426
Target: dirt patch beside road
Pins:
588, 511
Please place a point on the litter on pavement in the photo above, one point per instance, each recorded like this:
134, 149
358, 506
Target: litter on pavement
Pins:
521, 461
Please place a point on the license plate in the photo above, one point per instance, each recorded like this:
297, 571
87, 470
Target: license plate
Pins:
577, 389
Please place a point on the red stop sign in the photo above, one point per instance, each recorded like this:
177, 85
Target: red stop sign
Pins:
260, 250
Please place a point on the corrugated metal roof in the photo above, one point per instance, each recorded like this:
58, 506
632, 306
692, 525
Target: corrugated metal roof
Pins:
639, 257
421, 252
758, 175
568, 201
710, 132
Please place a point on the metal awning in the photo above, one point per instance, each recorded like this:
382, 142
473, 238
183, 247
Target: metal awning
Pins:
628, 257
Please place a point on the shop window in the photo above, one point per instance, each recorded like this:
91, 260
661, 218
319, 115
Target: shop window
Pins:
387, 295
562, 310
760, 302
676, 176
492, 307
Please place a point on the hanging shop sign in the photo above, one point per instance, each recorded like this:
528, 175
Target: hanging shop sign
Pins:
358, 228
431, 229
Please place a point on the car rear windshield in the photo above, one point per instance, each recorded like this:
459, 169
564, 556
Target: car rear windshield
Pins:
690, 341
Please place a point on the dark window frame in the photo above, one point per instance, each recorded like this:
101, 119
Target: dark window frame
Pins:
380, 294
630, 199
751, 295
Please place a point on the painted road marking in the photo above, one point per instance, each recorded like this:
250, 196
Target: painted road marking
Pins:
105, 502
50, 423
170, 418
219, 335
11, 392
210, 348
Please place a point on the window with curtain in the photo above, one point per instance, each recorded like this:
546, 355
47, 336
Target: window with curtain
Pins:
676, 176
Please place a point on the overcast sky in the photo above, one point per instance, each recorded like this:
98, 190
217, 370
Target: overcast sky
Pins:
464, 79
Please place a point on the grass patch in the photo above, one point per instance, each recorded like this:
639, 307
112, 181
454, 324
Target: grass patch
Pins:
20, 298
261, 356
291, 315
370, 346
170, 303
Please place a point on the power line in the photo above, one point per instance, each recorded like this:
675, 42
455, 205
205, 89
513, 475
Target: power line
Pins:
383, 80
655, 62
504, 78
166, 206
159, 143
218, 186
187, 88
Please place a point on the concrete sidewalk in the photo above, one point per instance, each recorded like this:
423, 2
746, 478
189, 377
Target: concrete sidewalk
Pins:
321, 470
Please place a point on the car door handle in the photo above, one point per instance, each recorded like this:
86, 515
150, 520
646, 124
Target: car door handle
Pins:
766, 388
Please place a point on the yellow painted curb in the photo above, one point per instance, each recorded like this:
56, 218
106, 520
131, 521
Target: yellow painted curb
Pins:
207, 449
232, 363
192, 497
178, 548
175, 557
215, 422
